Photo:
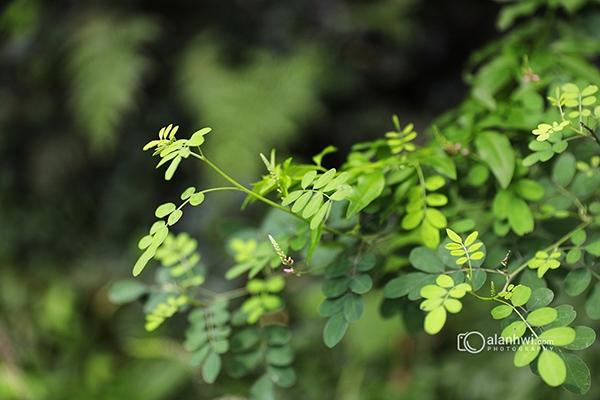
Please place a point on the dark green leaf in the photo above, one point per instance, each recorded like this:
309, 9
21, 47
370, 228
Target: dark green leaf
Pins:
592, 304
353, 307
404, 284
577, 281
585, 337
593, 248
263, 389
426, 260
564, 169
566, 315
284, 377
334, 330
280, 356
277, 335
361, 283
367, 262
244, 339
578, 378
335, 287
330, 307
540, 297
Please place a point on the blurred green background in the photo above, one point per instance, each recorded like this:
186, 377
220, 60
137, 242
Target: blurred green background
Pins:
85, 84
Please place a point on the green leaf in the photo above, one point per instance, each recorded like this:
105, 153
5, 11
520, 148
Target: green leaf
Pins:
584, 338
174, 217
502, 203
520, 217
578, 378
592, 304
172, 168
316, 221
528, 189
520, 295
515, 329
143, 260
368, 187
334, 330
434, 182
244, 339
436, 200
361, 283
435, 320
165, 209
336, 182
577, 281
404, 284
324, 179
307, 179
262, 389
436, 218
564, 169
426, 260
542, 316
561, 336
552, 368
280, 356
301, 202
444, 281
188, 192
199, 356
525, 354
353, 307
277, 335
566, 315
412, 220
433, 291
211, 367
366, 263
313, 205
126, 291
496, 152
292, 197
540, 297
593, 248
453, 236
330, 307
284, 377
197, 199
501, 311
453, 305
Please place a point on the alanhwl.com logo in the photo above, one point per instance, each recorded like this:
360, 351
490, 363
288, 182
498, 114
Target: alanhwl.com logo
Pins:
475, 342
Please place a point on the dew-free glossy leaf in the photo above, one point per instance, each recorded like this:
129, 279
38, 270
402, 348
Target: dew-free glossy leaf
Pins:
426, 260
435, 320
211, 367
497, 153
592, 303
561, 336
552, 368
501, 311
525, 354
164, 209
577, 281
584, 338
542, 316
520, 295
334, 330
578, 378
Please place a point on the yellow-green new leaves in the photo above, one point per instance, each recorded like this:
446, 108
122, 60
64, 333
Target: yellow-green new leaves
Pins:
420, 211
544, 261
467, 250
439, 299
315, 204
401, 139
163, 311
174, 150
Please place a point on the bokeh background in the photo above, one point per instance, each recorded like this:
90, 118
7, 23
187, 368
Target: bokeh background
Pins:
85, 84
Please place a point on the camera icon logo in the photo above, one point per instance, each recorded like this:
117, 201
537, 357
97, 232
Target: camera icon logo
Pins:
469, 342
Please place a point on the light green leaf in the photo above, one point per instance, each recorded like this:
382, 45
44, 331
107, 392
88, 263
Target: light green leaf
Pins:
542, 316
164, 209
336, 182
516, 329
435, 320
301, 202
188, 192
143, 260
593, 248
501, 311
520, 295
444, 281
434, 182
197, 199
412, 220
174, 217
552, 368
316, 221
525, 354
436, 218
520, 217
368, 188
292, 197
308, 178
453, 305
324, 179
433, 291
496, 152
453, 236
313, 205
528, 189
436, 200
172, 168
561, 336
126, 291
